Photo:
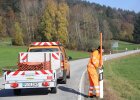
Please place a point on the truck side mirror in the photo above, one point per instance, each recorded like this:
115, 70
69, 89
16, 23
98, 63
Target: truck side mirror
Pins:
69, 58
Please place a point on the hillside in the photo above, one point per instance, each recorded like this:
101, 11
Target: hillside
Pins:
75, 23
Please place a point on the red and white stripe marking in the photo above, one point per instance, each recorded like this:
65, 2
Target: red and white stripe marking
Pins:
55, 56
23, 56
35, 72
44, 72
16, 73
44, 43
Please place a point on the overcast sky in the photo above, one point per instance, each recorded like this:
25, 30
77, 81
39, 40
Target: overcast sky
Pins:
132, 5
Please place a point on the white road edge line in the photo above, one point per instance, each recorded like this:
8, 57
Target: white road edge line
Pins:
81, 86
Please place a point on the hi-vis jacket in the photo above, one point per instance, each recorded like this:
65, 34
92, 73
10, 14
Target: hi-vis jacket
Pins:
94, 59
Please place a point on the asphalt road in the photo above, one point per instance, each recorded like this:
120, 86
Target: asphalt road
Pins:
69, 91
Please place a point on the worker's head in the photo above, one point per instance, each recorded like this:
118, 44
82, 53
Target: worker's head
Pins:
100, 48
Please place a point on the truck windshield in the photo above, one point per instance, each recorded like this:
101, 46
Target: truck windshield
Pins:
44, 50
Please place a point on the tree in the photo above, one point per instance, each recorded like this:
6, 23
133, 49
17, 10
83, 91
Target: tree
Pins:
136, 33
2, 27
47, 27
62, 22
126, 31
75, 23
18, 36
107, 35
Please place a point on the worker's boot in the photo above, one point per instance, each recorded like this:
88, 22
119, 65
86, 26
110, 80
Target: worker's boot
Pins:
90, 95
97, 96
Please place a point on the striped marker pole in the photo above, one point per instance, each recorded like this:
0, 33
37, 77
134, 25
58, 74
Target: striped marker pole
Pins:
101, 82
101, 70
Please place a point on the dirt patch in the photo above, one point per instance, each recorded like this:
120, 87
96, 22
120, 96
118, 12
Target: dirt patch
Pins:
109, 93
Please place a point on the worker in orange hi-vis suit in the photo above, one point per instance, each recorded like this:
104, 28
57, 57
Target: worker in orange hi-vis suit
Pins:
92, 66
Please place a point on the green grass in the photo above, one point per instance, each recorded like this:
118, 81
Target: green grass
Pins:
129, 46
9, 55
123, 76
77, 54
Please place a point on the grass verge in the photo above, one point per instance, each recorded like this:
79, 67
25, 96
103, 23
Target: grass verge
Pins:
77, 54
122, 75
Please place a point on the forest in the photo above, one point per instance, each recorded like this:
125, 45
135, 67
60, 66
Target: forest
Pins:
75, 23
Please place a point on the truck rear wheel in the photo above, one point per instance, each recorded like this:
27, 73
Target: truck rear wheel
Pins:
17, 91
64, 80
68, 76
53, 90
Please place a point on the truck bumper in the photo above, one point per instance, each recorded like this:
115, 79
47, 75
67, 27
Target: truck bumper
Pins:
23, 85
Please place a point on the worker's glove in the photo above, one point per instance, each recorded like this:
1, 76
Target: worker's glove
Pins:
101, 67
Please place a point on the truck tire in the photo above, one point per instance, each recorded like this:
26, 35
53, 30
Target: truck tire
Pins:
53, 90
17, 91
64, 80
68, 76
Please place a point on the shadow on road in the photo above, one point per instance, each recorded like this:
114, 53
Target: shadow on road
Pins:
66, 89
24, 92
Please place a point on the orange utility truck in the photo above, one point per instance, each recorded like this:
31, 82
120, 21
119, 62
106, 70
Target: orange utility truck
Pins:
41, 66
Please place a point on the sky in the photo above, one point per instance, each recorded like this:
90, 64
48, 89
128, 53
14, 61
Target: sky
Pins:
132, 5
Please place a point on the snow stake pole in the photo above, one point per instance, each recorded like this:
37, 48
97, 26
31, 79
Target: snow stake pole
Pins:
101, 69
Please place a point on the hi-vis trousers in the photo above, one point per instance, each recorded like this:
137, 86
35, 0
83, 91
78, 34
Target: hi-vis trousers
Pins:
94, 81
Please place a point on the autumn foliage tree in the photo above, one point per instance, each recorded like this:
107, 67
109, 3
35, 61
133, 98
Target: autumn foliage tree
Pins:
62, 22
54, 23
47, 26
